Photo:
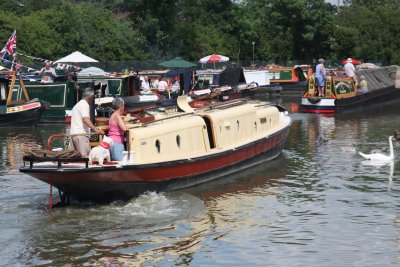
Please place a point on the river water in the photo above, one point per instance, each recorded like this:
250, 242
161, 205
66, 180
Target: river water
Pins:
318, 204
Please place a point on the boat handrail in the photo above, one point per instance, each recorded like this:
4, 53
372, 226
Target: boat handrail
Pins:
169, 117
54, 136
224, 105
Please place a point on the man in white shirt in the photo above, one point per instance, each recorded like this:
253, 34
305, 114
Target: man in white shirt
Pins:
81, 123
350, 71
48, 73
144, 84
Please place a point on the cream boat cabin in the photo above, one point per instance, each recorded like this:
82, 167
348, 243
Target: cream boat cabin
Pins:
210, 130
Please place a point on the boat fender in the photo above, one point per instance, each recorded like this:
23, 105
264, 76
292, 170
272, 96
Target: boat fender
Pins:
199, 104
45, 104
314, 99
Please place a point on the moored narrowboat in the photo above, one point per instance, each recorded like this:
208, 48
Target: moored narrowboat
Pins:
341, 93
62, 95
291, 79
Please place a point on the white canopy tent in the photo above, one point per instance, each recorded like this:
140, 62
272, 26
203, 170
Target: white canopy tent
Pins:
76, 57
92, 71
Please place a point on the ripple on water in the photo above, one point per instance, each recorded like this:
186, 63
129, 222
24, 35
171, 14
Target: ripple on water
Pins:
81, 234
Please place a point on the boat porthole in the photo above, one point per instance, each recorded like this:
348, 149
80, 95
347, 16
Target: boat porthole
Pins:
178, 141
158, 146
238, 125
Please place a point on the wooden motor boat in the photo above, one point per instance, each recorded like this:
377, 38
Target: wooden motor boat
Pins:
16, 108
341, 93
175, 150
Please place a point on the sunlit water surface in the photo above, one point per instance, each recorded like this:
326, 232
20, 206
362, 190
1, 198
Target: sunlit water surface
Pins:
318, 204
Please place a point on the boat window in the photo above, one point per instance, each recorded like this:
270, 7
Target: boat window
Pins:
210, 131
3, 92
158, 146
263, 120
227, 125
178, 141
238, 125
255, 125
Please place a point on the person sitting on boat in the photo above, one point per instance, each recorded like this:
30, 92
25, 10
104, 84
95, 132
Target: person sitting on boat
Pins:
144, 84
48, 73
162, 86
154, 84
320, 74
350, 71
175, 86
363, 85
117, 129
81, 123
72, 79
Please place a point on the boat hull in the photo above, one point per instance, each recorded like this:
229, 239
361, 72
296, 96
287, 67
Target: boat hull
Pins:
293, 87
332, 105
107, 183
28, 116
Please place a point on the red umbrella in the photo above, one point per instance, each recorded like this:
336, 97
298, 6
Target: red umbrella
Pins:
354, 61
214, 58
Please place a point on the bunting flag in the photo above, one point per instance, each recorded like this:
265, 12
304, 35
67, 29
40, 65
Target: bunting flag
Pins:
10, 46
59, 66
18, 66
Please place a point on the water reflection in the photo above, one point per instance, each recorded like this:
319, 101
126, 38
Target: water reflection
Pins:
15, 140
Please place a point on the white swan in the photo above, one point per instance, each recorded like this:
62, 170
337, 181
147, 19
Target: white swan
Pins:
380, 156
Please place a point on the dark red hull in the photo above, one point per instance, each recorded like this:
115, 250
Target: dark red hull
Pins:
132, 180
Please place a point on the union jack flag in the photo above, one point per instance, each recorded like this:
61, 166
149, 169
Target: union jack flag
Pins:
10, 46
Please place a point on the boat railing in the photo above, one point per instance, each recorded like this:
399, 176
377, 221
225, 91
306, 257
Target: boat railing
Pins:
55, 136
169, 117
59, 161
58, 157
224, 105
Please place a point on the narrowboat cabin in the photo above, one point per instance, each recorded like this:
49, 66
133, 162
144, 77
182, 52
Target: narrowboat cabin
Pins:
291, 79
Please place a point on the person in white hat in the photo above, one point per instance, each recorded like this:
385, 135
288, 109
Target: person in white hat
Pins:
350, 71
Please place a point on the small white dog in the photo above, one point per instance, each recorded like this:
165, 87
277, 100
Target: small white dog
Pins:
101, 152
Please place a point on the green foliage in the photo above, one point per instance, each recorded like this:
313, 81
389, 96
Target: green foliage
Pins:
282, 30
61, 29
369, 34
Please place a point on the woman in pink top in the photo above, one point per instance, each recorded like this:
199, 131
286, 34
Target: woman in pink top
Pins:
117, 129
